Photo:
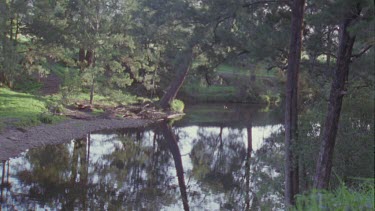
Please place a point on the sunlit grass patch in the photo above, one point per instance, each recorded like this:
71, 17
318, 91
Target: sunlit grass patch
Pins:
22, 110
19, 105
214, 93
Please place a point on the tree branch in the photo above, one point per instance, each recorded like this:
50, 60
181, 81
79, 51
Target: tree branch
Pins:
362, 52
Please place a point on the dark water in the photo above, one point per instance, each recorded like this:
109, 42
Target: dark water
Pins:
212, 159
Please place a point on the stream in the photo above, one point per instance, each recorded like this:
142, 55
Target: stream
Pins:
217, 157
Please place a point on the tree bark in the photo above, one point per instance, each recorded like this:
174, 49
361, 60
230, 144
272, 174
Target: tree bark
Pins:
92, 88
338, 90
81, 55
90, 57
183, 67
291, 111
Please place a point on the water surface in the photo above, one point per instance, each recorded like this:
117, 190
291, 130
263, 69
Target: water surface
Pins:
213, 159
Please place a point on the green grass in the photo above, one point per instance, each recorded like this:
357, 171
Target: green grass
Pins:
112, 100
341, 199
240, 87
231, 69
215, 93
259, 70
22, 110
19, 105
97, 112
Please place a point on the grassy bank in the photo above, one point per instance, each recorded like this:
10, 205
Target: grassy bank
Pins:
22, 110
233, 84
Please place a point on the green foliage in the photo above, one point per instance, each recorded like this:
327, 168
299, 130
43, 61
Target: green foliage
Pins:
343, 198
271, 98
177, 105
28, 85
71, 84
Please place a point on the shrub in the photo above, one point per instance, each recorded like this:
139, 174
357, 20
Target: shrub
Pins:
177, 105
343, 198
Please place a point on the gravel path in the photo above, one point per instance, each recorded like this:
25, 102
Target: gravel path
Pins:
13, 142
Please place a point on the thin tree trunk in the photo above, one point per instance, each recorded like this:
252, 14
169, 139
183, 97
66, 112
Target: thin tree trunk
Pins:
11, 30
247, 165
90, 58
338, 90
329, 44
3, 175
183, 68
81, 55
291, 111
92, 90
2, 183
15, 38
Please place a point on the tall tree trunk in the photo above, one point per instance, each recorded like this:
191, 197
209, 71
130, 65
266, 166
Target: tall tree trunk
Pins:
174, 149
291, 112
183, 67
90, 57
17, 30
81, 55
338, 90
92, 88
11, 29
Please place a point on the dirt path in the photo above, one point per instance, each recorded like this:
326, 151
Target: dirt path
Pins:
13, 142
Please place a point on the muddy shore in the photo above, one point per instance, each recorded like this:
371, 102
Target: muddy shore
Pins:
13, 142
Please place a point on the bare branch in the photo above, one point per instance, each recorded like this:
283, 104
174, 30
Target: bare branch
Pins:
363, 51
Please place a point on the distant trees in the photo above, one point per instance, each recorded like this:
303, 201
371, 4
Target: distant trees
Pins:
10, 23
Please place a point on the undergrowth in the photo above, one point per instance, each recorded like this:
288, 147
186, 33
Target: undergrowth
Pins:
343, 198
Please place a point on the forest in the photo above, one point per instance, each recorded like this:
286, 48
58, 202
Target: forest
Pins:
253, 104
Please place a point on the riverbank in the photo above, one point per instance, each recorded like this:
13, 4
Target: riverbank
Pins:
15, 141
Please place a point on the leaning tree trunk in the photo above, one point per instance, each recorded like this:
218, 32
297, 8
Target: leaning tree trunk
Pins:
291, 111
183, 67
338, 90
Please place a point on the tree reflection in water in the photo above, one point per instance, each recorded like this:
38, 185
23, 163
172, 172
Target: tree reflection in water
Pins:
171, 140
144, 170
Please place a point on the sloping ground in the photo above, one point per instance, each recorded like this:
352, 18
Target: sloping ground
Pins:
18, 105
